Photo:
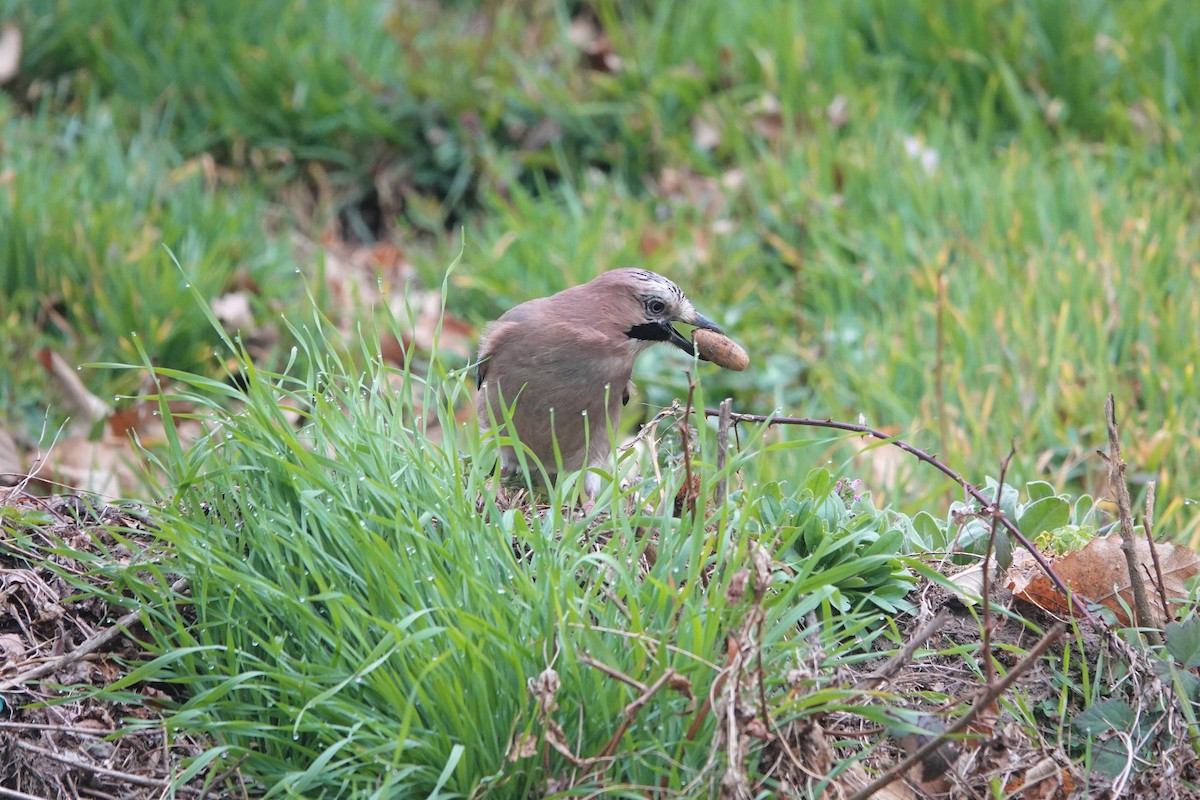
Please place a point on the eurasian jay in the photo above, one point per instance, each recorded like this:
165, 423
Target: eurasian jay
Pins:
562, 365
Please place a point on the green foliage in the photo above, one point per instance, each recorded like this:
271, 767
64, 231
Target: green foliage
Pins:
1007, 150
363, 616
1052, 521
835, 539
1183, 642
83, 220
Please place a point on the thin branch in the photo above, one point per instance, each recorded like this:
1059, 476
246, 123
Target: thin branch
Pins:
1116, 477
941, 467
16, 795
985, 700
86, 648
613, 672
690, 493
1148, 524
989, 669
723, 425
631, 712
905, 654
75, 761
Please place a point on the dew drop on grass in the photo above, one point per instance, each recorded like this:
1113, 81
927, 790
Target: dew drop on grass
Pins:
501, 592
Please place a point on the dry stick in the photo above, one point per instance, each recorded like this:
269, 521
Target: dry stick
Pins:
216, 782
613, 672
984, 701
1148, 524
89, 646
921, 455
904, 655
726, 408
939, 384
72, 729
1116, 476
13, 794
686, 442
989, 671
127, 777
631, 711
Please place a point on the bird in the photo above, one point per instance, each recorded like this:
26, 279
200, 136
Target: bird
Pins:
562, 366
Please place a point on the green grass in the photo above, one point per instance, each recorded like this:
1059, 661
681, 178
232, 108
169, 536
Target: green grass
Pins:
344, 627
86, 215
363, 618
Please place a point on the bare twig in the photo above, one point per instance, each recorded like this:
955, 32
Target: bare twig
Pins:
74, 761
690, 493
941, 467
87, 647
218, 781
74, 729
631, 711
905, 654
725, 421
16, 795
989, 671
939, 364
613, 672
1116, 477
985, 700
1148, 524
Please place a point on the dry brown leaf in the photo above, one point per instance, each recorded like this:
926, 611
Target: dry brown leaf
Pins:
706, 136
1045, 780
232, 310
593, 43
78, 399
969, 582
1098, 572
523, 745
12, 468
12, 647
10, 52
107, 468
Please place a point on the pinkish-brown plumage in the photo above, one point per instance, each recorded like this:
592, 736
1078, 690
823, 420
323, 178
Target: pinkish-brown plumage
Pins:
563, 365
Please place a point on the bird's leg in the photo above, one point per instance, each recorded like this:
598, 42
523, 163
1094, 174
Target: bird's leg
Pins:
591, 488
508, 468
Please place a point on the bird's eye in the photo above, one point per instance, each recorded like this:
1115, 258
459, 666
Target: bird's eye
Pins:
656, 307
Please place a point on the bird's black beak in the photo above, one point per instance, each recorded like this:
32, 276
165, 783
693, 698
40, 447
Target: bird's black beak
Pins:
684, 344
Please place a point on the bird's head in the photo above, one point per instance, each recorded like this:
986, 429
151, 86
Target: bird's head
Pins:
647, 305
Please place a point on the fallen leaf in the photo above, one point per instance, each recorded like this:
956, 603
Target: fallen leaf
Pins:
838, 111
522, 746
586, 33
77, 397
10, 52
107, 468
706, 135
1098, 572
12, 469
12, 647
232, 310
